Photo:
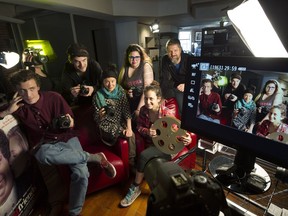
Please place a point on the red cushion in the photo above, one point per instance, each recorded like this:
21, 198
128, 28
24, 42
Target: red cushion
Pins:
90, 141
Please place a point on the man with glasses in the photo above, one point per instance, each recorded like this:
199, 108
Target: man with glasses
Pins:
81, 76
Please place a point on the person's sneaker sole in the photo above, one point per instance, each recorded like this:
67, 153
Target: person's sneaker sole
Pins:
106, 168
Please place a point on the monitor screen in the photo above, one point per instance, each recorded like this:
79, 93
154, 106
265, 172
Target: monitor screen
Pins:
239, 102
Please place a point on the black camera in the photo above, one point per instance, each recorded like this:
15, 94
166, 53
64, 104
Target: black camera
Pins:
214, 106
61, 122
174, 192
32, 56
83, 90
265, 109
137, 91
109, 110
231, 97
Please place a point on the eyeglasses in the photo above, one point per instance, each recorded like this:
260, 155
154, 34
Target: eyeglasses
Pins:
134, 57
270, 87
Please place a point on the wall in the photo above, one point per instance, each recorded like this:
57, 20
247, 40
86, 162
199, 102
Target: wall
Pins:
58, 28
126, 33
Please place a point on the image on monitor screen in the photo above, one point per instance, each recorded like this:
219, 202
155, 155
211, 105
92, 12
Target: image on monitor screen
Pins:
242, 103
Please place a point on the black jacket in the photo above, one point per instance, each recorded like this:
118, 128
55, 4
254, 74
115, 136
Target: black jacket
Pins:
70, 78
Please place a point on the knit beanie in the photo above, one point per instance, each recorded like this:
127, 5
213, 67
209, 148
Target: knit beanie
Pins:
78, 50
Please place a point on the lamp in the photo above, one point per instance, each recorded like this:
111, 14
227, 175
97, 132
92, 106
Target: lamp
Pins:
43, 45
223, 81
154, 27
9, 59
256, 30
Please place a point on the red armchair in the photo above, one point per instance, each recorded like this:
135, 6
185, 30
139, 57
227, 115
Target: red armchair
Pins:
189, 162
90, 141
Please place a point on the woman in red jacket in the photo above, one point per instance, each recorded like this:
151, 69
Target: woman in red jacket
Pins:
155, 107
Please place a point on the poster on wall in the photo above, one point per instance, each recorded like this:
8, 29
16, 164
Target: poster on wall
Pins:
18, 186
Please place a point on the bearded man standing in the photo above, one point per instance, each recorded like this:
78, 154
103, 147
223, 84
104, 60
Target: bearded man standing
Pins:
175, 65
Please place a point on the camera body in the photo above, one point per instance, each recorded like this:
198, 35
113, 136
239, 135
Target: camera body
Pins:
137, 91
173, 192
32, 56
61, 122
83, 90
231, 97
214, 106
109, 110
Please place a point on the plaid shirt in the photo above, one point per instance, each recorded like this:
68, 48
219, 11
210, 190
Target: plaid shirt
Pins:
167, 108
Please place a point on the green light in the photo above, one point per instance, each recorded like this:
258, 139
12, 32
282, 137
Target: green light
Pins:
44, 45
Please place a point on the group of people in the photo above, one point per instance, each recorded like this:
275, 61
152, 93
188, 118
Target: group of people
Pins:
124, 103
238, 107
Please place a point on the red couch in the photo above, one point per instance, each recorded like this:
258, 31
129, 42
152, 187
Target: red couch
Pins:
90, 141
189, 162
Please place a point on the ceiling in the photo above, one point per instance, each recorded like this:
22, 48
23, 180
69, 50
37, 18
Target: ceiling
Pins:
187, 12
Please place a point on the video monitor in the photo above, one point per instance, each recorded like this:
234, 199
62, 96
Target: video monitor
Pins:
241, 103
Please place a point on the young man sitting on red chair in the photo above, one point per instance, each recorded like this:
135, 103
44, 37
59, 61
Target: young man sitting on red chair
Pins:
154, 108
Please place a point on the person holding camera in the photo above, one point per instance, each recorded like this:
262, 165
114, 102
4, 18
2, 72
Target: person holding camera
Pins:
36, 111
155, 107
136, 73
210, 104
112, 113
233, 91
33, 60
244, 115
81, 77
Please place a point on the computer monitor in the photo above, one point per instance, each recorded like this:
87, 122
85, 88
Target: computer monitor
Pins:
218, 126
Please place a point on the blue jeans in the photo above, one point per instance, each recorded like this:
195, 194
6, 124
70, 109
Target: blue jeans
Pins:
208, 118
69, 153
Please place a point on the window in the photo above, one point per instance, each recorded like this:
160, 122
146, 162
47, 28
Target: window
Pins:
185, 40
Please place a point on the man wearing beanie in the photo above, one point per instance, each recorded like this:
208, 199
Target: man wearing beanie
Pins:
234, 91
81, 76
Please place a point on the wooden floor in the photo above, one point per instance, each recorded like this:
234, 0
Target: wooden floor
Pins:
106, 202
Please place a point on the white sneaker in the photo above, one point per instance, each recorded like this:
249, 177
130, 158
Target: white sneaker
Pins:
131, 196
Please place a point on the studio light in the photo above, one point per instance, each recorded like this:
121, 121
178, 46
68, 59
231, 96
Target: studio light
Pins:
256, 30
9, 59
154, 27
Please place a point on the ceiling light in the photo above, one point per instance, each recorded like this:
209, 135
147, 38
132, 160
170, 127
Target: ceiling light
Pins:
154, 27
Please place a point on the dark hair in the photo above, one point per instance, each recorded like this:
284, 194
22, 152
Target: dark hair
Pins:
173, 41
140, 50
154, 86
4, 145
76, 49
23, 76
236, 76
206, 81
268, 82
110, 71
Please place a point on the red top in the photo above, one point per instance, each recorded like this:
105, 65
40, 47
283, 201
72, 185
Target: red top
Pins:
37, 119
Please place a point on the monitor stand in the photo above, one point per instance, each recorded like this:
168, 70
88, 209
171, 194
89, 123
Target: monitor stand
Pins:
235, 179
